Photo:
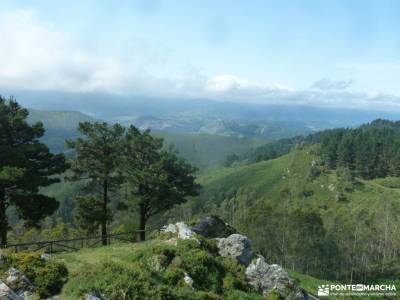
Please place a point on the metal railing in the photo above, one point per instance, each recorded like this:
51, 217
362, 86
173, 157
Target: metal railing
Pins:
75, 244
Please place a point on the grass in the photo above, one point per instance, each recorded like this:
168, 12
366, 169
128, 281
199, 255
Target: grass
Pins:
90, 267
269, 178
84, 258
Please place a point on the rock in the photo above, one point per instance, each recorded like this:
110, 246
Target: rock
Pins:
181, 229
28, 296
6, 293
237, 246
188, 280
267, 278
46, 256
212, 227
18, 282
94, 296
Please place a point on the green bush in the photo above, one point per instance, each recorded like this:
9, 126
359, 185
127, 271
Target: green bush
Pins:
48, 276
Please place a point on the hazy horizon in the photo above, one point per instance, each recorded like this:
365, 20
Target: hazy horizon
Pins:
341, 54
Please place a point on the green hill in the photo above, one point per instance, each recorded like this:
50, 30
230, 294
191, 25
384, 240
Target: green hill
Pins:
309, 218
59, 125
207, 151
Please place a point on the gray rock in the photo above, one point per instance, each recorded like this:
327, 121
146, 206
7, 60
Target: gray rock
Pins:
189, 281
46, 256
95, 296
19, 283
28, 296
6, 293
181, 229
212, 227
236, 246
267, 278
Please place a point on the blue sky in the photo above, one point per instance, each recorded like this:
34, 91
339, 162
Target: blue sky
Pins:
315, 52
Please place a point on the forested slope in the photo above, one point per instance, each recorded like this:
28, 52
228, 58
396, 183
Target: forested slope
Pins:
308, 217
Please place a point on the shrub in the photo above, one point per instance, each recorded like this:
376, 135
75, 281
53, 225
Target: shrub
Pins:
48, 276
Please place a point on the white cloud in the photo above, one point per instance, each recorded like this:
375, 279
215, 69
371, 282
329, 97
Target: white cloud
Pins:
326, 84
35, 55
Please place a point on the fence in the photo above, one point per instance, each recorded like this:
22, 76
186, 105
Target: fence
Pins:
74, 244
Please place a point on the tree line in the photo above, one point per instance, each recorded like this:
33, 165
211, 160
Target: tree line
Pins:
104, 158
370, 151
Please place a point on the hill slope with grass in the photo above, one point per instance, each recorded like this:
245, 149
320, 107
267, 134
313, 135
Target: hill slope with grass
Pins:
178, 264
308, 217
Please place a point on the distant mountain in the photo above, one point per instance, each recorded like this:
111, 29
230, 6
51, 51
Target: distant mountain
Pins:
205, 151
67, 120
208, 151
59, 125
114, 107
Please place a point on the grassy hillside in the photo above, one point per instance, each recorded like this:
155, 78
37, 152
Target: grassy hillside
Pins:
89, 270
341, 219
155, 270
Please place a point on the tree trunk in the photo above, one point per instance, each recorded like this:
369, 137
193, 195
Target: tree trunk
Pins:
3, 220
142, 222
104, 220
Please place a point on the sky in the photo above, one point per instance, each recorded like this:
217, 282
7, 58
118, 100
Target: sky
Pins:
342, 53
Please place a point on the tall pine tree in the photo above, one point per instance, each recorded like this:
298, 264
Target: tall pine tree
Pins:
97, 156
26, 165
159, 178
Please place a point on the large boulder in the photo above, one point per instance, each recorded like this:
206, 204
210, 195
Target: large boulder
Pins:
236, 246
182, 230
212, 227
267, 278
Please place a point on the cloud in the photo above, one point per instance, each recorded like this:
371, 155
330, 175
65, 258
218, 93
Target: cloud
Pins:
326, 84
35, 55
233, 86
324, 93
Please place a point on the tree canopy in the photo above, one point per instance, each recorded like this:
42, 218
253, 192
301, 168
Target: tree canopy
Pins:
97, 158
159, 178
26, 165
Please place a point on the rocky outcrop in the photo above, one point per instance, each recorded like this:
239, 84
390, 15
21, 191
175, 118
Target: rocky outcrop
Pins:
182, 230
266, 278
6, 293
263, 277
236, 246
19, 283
212, 227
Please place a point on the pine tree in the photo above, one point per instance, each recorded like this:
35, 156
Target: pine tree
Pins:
97, 155
159, 179
26, 165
